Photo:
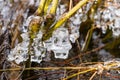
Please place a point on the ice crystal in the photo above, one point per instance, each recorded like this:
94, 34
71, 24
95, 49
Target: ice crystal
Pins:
60, 10
74, 26
20, 52
38, 50
59, 43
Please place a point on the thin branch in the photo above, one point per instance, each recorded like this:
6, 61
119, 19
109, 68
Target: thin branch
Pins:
82, 72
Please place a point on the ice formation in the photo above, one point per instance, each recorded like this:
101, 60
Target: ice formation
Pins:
59, 43
74, 26
20, 52
109, 17
38, 50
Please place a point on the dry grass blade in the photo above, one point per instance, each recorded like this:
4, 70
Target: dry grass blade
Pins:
93, 75
82, 72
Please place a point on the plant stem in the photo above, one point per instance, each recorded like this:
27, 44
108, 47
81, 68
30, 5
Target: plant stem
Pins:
82, 72
69, 14
47, 6
41, 7
54, 7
